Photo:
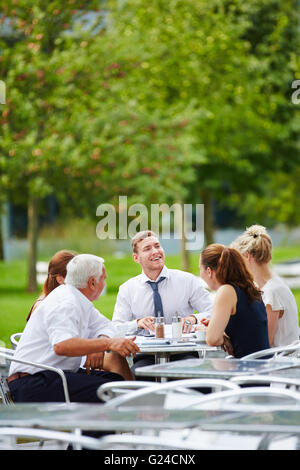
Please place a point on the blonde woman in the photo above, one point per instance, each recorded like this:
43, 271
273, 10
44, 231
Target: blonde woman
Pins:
256, 246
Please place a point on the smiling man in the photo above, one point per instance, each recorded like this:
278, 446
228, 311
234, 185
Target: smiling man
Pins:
157, 288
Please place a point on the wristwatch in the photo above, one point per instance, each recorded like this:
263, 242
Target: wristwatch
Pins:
187, 322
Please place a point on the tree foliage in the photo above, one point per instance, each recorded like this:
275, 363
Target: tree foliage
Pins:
229, 63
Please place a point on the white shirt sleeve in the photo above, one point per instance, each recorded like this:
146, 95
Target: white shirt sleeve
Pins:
271, 298
100, 325
123, 320
61, 323
200, 299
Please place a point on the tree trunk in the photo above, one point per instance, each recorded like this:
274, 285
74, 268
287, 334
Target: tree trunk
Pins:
185, 259
184, 254
208, 217
32, 237
1, 240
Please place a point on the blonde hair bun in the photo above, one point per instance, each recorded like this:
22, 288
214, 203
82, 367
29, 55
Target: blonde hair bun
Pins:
256, 230
256, 241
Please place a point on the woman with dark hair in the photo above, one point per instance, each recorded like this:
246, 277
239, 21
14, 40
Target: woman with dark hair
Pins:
239, 312
57, 270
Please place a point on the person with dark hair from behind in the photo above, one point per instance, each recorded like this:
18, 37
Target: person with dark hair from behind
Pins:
57, 271
238, 309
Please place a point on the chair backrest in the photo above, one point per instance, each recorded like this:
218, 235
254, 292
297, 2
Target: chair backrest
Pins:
129, 441
6, 433
267, 380
14, 339
111, 390
272, 353
161, 390
8, 354
4, 393
250, 399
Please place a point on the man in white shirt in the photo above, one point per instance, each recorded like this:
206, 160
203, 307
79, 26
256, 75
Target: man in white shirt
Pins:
158, 288
65, 327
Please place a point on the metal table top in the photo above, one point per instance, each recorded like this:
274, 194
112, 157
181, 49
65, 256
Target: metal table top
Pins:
214, 368
277, 421
96, 417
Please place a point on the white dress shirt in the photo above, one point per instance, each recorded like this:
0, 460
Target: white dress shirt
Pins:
280, 297
65, 313
180, 292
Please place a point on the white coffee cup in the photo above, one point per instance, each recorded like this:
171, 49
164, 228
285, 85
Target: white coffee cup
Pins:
201, 335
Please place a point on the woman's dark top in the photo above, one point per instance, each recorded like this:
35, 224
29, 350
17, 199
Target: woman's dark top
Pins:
248, 327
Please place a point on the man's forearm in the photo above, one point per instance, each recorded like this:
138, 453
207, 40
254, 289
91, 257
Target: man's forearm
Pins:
81, 347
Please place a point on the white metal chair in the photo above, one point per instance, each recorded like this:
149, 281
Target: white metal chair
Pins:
14, 339
157, 393
128, 441
267, 380
8, 354
4, 393
111, 390
9, 436
279, 351
4, 390
249, 399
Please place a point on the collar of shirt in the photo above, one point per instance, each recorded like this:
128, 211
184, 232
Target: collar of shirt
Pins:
81, 297
164, 272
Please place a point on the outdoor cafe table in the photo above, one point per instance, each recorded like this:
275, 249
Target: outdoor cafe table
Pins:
262, 423
96, 417
74, 416
163, 352
217, 368
163, 349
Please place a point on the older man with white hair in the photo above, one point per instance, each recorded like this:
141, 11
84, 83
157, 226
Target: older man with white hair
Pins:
65, 327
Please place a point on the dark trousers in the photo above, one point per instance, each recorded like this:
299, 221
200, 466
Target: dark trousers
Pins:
46, 386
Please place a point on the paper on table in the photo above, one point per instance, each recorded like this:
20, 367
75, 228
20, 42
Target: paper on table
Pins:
155, 342
184, 343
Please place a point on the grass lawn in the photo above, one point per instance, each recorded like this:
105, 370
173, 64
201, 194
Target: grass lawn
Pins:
15, 302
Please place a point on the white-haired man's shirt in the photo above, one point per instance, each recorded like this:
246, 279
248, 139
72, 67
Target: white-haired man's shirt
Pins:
65, 313
180, 292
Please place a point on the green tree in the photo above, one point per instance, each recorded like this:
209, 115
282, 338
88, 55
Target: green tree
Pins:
64, 129
275, 41
205, 60
163, 102
33, 39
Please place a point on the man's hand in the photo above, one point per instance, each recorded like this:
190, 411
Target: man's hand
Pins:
187, 323
125, 347
94, 361
147, 323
